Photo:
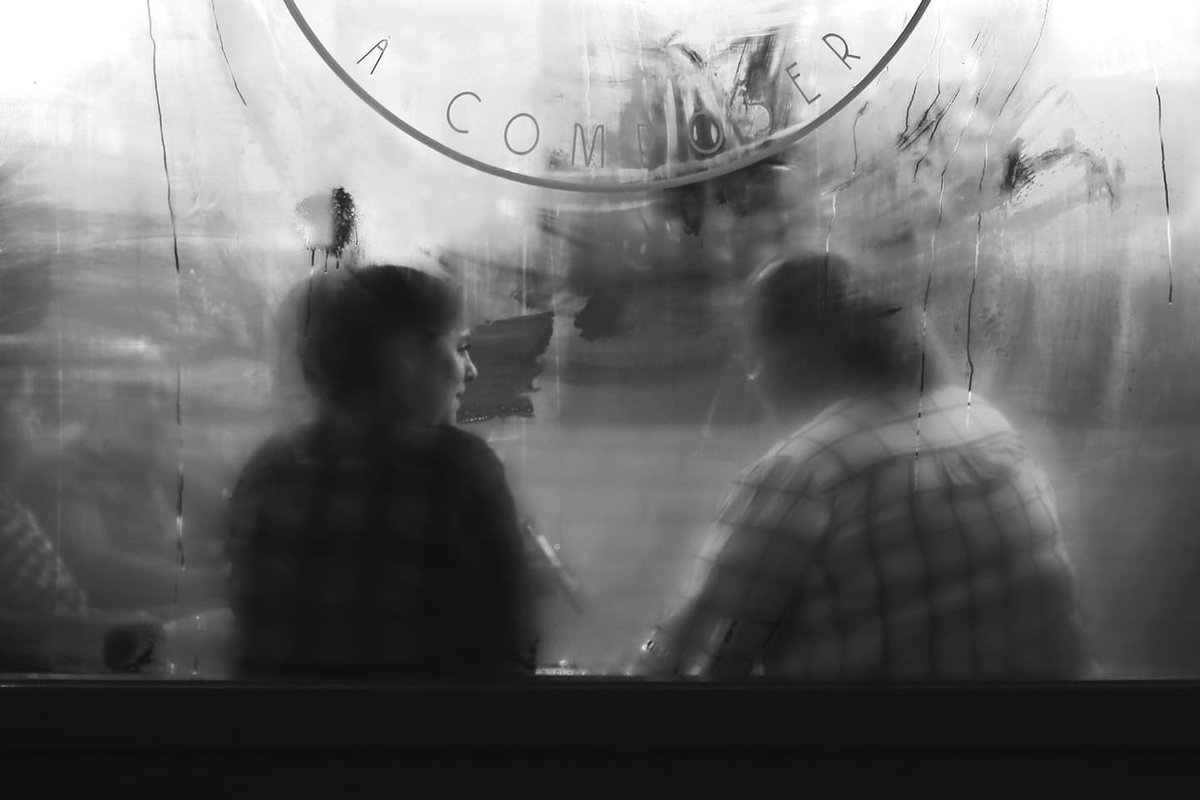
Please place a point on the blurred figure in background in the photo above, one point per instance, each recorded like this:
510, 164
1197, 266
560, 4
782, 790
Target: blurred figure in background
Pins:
46, 621
901, 533
378, 540
113, 487
33, 579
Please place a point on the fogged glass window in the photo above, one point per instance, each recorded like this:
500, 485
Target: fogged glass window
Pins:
829, 340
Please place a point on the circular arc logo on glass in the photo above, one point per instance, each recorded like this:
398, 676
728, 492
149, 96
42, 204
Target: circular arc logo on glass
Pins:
621, 96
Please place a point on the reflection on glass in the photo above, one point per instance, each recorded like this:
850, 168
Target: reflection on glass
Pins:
994, 238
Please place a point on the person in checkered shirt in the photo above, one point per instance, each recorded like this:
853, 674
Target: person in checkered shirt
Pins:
47, 623
378, 540
904, 532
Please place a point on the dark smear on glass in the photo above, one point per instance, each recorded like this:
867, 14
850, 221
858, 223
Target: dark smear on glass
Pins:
603, 314
917, 83
933, 129
330, 224
1021, 169
908, 109
692, 55
1017, 169
221, 39
343, 221
691, 201
757, 83
507, 353
912, 133
1017, 174
928, 126
930, 119
604, 270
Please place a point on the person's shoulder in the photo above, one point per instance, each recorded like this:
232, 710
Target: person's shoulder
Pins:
280, 446
278, 452
787, 469
970, 415
466, 451
777, 493
856, 435
818, 455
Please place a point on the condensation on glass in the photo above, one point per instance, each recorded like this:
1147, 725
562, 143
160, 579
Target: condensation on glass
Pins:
1019, 177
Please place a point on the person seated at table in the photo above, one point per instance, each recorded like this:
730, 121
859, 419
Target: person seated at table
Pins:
377, 540
47, 623
901, 531
111, 493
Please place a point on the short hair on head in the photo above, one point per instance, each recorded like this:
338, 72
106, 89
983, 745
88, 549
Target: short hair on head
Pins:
341, 320
811, 303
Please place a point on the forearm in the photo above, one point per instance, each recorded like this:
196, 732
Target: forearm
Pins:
662, 654
704, 640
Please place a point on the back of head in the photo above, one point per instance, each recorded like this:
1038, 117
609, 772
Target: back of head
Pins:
338, 322
819, 315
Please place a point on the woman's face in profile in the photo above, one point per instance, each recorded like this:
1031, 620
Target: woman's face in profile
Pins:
446, 373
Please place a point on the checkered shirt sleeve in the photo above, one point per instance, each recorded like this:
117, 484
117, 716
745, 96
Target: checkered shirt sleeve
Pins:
33, 579
767, 533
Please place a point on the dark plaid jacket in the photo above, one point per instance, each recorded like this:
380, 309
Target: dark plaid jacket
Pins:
367, 555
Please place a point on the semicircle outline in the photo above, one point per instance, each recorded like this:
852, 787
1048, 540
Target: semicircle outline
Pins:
594, 186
